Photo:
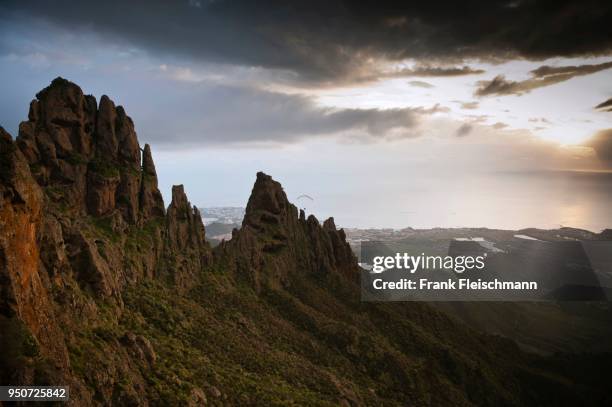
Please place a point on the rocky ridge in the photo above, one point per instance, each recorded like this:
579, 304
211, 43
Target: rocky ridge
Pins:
106, 290
275, 239
83, 219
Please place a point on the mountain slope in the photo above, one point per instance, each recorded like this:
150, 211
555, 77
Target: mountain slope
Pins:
106, 290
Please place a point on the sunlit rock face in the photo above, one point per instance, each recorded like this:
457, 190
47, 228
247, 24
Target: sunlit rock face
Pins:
81, 220
24, 287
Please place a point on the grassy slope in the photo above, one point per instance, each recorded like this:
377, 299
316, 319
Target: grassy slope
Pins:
313, 344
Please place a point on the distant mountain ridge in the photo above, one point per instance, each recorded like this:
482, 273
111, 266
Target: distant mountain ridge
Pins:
106, 290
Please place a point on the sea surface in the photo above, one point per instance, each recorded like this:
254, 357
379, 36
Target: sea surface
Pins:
506, 200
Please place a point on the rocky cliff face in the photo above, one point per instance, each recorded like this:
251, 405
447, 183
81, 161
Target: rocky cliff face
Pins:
275, 241
82, 218
89, 155
187, 251
24, 295
105, 290
87, 159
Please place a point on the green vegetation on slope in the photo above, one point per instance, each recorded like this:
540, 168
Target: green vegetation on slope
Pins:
312, 344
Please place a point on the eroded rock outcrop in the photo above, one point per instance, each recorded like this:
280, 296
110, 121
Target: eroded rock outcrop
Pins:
81, 219
151, 200
86, 252
89, 155
106, 223
24, 295
275, 241
186, 249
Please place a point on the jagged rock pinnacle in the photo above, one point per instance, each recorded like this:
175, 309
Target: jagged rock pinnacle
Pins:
267, 195
151, 200
275, 239
187, 249
148, 166
89, 154
329, 224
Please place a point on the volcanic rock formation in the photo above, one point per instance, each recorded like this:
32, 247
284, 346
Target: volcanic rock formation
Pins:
275, 240
105, 290
82, 219
82, 213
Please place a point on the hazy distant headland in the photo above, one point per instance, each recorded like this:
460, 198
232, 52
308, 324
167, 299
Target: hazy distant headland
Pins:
220, 221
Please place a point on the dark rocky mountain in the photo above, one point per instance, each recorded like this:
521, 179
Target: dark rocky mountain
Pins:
82, 219
104, 289
275, 241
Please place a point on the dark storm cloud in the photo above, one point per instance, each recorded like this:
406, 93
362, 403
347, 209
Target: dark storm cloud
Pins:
241, 115
542, 76
605, 106
428, 70
328, 40
420, 70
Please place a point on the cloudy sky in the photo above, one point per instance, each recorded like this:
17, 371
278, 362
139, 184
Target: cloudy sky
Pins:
425, 114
